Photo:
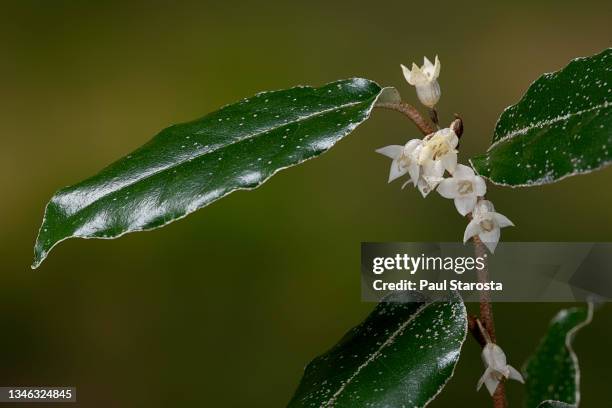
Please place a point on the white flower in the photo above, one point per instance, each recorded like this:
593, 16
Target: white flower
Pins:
440, 146
464, 187
425, 80
486, 223
405, 159
431, 175
496, 368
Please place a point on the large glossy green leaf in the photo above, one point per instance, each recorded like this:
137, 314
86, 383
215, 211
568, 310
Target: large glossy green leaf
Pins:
561, 127
401, 355
190, 165
552, 373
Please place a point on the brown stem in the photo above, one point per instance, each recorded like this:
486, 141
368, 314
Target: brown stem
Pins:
413, 114
433, 116
486, 310
486, 317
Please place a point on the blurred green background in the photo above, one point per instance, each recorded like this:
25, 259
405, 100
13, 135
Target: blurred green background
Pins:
224, 308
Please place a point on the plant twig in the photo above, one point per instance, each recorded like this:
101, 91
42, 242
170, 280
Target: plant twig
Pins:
486, 310
413, 114
433, 115
486, 317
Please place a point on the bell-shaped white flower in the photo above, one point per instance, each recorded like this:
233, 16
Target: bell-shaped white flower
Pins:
496, 368
405, 159
440, 146
464, 187
425, 80
486, 223
431, 175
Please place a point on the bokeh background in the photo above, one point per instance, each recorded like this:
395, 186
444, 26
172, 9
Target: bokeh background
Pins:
224, 308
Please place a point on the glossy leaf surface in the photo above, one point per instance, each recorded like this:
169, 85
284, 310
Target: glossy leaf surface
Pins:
561, 127
188, 166
401, 355
552, 373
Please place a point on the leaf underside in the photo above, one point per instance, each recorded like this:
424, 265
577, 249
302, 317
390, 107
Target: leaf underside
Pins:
561, 127
188, 166
552, 373
401, 355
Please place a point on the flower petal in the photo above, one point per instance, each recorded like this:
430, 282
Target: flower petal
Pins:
424, 187
480, 187
463, 171
412, 145
428, 93
490, 239
396, 170
515, 375
425, 154
449, 161
448, 188
433, 169
417, 76
482, 207
473, 228
437, 67
482, 379
496, 357
502, 220
453, 140
414, 171
491, 383
465, 204
392, 151
407, 74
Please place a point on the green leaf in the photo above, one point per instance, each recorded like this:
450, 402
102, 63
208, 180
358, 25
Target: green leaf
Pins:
561, 127
403, 354
552, 372
555, 404
188, 166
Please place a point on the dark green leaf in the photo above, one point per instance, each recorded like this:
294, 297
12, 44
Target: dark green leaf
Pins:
555, 404
403, 354
561, 127
188, 166
552, 372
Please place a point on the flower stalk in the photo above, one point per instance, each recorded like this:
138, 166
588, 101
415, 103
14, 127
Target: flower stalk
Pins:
426, 161
412, 113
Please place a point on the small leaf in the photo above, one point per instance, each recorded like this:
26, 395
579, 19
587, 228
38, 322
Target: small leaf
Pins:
188, 166
552, 373
561, 127
403, 354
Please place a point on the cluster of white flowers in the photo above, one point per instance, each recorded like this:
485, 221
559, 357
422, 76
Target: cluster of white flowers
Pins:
427, 160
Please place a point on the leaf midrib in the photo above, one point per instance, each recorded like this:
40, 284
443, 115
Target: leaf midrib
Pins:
547, 122
197, 156
373, 356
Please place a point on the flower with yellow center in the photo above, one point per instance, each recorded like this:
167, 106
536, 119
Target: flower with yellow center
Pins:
440, 146
486, 223
464, 187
